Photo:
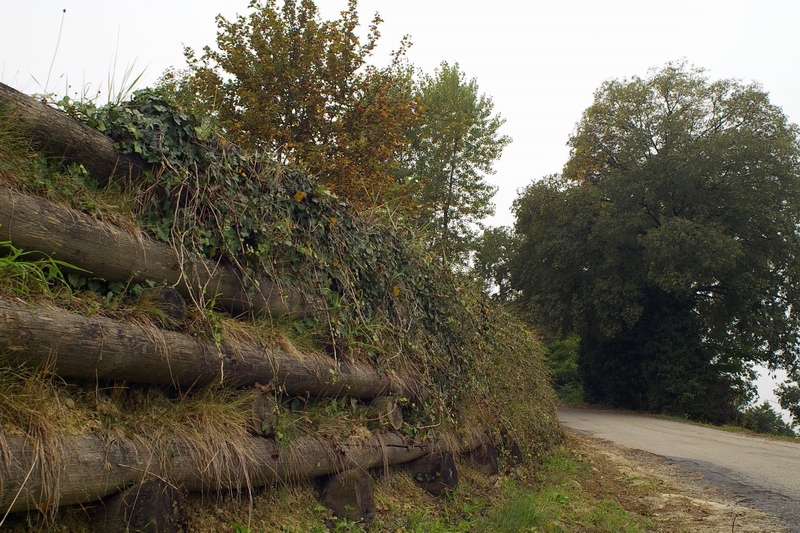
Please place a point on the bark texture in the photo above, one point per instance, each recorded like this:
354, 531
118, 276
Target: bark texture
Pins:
101, 348
87, 468
115, 254
58, 134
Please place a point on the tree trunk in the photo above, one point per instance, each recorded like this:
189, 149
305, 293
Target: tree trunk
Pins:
58, 134
86, 468
111, 253
101, 348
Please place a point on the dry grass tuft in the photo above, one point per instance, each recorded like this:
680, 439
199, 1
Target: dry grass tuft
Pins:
34, 405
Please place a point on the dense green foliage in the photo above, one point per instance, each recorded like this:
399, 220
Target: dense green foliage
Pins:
669, 244
453, 147
562, 360
763, 419
491, 262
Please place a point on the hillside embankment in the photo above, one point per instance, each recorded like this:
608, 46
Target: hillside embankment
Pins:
192, 322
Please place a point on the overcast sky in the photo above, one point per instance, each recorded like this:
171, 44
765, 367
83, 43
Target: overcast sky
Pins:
540, 61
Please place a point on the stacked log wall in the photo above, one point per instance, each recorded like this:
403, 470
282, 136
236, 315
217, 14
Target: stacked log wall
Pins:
90, 467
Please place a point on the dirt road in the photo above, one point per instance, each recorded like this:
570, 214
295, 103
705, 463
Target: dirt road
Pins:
761, 473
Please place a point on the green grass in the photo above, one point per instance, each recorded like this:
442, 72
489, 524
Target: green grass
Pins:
556, 502
22, 272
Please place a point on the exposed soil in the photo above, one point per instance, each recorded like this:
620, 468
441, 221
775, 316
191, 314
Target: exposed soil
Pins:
671, 497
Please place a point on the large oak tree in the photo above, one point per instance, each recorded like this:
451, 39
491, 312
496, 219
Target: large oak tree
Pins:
669, 243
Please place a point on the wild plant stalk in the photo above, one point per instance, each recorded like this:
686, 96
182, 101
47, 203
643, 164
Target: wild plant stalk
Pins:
126, 89
23, 273
55, 52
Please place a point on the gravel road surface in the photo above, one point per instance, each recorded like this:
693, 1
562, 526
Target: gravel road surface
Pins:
761, 473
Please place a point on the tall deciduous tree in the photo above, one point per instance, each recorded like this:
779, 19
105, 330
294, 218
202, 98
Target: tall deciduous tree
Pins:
284, 80
491, 262
670, 242
453, 149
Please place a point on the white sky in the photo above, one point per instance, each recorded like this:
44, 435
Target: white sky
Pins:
540, 61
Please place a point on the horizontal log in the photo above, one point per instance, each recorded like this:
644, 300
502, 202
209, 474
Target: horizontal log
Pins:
115, 254
58, 134
96, 347
86, 468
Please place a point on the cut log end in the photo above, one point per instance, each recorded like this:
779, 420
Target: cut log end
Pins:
168, 302
484, 459
264, 419
435, 472
151, 507
512, 453
349, 495
388, 413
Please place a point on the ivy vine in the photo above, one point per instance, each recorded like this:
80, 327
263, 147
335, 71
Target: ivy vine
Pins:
385, 300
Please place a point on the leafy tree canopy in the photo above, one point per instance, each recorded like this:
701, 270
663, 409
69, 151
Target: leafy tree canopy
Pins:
283, 80
453, 147
669, 243
491, 262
